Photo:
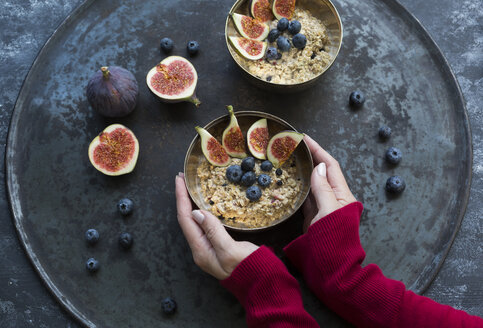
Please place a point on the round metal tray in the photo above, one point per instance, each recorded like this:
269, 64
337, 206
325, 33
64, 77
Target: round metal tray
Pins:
56, 195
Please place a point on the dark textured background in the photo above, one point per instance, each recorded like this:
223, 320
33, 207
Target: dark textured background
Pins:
455, 26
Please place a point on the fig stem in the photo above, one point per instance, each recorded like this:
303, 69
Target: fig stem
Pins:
105, 72
193, 99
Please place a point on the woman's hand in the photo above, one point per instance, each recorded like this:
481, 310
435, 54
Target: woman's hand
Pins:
213, 249
329, 189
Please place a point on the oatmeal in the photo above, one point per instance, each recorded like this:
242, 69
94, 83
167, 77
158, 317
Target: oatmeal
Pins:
228, 200
296, 65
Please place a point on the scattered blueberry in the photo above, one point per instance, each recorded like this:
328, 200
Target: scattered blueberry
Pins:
395, 185
92, 265
313, 55
279, 182
168, 305
266, 166
234, 173
167, 45
248, 164
357, 99
393, 155
299, 41
125, 206
278, 172
294, 27
273, 35
283, 44
269, 78
282, 24
125, 240
193, 47
212, 202
384, 132
248, 178
264, 180
253, 193
272, 53
92, 236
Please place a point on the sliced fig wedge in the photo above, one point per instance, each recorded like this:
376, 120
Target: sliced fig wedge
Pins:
261, 10
174, 80
232, 139
212, 149
250, 49
114, 151
250, 28
282, 145
283, 8
257, 139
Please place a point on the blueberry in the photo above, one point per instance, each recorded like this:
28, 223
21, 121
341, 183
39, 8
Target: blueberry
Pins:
294, 27
193, 47
384, 132
273, 35
266, 166
167, 45
125, 240
278, 172
395, 185
248, 164
283, 44
393, 155
272, 53
92, 236
279, 182
92, 265
282, 24
248, 178
253, 193
299, 41
168, 305
264, 180
357, 99
279, 55
234, 173
125, 206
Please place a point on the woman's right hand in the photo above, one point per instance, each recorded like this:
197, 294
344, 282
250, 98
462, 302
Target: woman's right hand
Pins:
329, 190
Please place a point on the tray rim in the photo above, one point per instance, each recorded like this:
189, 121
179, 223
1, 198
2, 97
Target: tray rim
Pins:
418, 287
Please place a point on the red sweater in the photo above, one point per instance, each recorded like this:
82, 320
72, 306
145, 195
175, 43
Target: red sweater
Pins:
330, 256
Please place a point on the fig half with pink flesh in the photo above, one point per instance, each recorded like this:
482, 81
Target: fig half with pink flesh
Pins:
257, 139
174, 80
212, 149
232, 139
261, 10
114, 151
250, 49
283, 8
250, 28
282, 145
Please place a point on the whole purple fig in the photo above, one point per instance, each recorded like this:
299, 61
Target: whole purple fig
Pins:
112, 91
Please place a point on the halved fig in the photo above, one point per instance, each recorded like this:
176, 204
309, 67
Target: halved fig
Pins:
282, 145
283, 8
250, 28
114, 151
212, 149
174, 80
261, 10
257, 139
233, 140
250, 49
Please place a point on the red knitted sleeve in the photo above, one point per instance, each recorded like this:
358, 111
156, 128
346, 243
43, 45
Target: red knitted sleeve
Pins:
268, 292
330, 256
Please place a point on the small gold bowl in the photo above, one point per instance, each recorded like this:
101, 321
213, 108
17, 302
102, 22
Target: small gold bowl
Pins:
194, 158
324, 10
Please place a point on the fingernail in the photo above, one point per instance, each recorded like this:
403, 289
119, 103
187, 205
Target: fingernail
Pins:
199, 217
181, 174
322, 170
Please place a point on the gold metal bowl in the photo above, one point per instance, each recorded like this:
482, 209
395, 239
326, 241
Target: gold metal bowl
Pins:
324, 10
194, 158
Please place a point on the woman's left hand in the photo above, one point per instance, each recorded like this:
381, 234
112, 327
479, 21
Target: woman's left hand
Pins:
213, 249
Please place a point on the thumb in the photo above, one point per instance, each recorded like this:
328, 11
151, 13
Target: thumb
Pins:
322, 191
214, 230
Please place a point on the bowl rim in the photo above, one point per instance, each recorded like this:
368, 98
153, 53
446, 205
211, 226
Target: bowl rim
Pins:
261, 115
332, 7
